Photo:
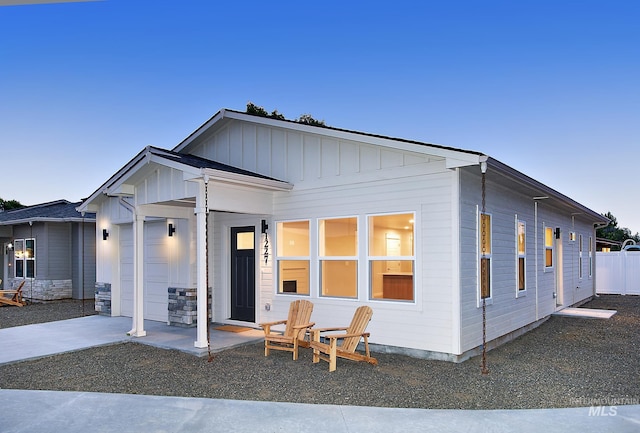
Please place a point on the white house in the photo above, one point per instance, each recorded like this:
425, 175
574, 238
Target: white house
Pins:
264, 211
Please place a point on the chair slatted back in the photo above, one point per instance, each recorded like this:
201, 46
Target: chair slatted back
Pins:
299, 314
358, 325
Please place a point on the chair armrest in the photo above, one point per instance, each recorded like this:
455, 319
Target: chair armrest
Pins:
279, 322
308, 325
330, 329
336, 336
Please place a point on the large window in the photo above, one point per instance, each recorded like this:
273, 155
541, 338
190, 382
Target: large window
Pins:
522, 256
485, 256
24, 251
338, 251
548, 247
293, 257
391, 256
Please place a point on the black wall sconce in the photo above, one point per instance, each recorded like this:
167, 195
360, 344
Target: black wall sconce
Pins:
264, 229
105, 234
172, 229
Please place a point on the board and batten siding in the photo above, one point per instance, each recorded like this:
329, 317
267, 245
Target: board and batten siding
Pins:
339, 178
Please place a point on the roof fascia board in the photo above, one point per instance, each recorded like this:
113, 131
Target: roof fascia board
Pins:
84, 207
121, 188
46, 219
460, 158
240, 179
544, 189
159, 159
200, 130
425, 148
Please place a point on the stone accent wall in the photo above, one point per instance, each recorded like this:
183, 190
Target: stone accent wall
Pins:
103, 299
44, 290
183, 307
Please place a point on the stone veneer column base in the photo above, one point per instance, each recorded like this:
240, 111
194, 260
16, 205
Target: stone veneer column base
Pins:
183, 307
44, 290
103, 299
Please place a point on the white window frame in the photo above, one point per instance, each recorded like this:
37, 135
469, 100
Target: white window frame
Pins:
22, 258
280, 258
549, 248
489, 255
321, 257
521, 255
371, 258
580, 270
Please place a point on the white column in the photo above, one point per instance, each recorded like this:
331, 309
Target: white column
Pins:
137, 329
201, 266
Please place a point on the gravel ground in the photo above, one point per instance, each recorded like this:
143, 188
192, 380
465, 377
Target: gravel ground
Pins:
45, 312
566, 362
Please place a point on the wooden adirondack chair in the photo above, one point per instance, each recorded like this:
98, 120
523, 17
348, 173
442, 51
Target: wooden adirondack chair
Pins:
294, 333
15, 299
331, 350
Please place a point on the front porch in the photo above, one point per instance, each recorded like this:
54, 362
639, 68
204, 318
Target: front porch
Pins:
45, 339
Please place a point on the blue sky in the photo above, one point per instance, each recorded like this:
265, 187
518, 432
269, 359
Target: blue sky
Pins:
550, 88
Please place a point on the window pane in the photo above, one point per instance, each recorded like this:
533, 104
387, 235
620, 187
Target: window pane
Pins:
485, 234
293, 239
485, 278
244, 240
18, 249
339, 237
293, 276
521, 274
339, 278
391, 235
548, 237
389, 283
31, 264
29, 247
548, 258
19, 268
521, 238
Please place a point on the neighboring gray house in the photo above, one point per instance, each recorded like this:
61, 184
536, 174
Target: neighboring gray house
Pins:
264, 211
50, 246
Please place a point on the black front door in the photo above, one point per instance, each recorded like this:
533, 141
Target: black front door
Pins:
243, 274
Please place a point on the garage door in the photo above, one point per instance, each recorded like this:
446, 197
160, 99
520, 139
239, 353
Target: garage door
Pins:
156, 271
126, 270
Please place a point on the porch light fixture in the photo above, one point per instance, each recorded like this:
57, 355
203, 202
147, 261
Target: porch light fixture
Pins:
172, 229
105, 234
9, 247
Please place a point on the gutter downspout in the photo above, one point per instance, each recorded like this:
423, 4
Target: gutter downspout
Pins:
137, 326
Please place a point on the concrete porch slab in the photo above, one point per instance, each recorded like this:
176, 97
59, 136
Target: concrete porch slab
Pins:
585, 313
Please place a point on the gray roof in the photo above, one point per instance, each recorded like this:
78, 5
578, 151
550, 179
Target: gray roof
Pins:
59, 210
199, 162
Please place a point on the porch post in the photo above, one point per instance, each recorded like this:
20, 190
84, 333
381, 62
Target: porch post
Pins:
137, 329
201, 265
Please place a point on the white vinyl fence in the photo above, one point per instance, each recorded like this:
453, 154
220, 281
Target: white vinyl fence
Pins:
618, 273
